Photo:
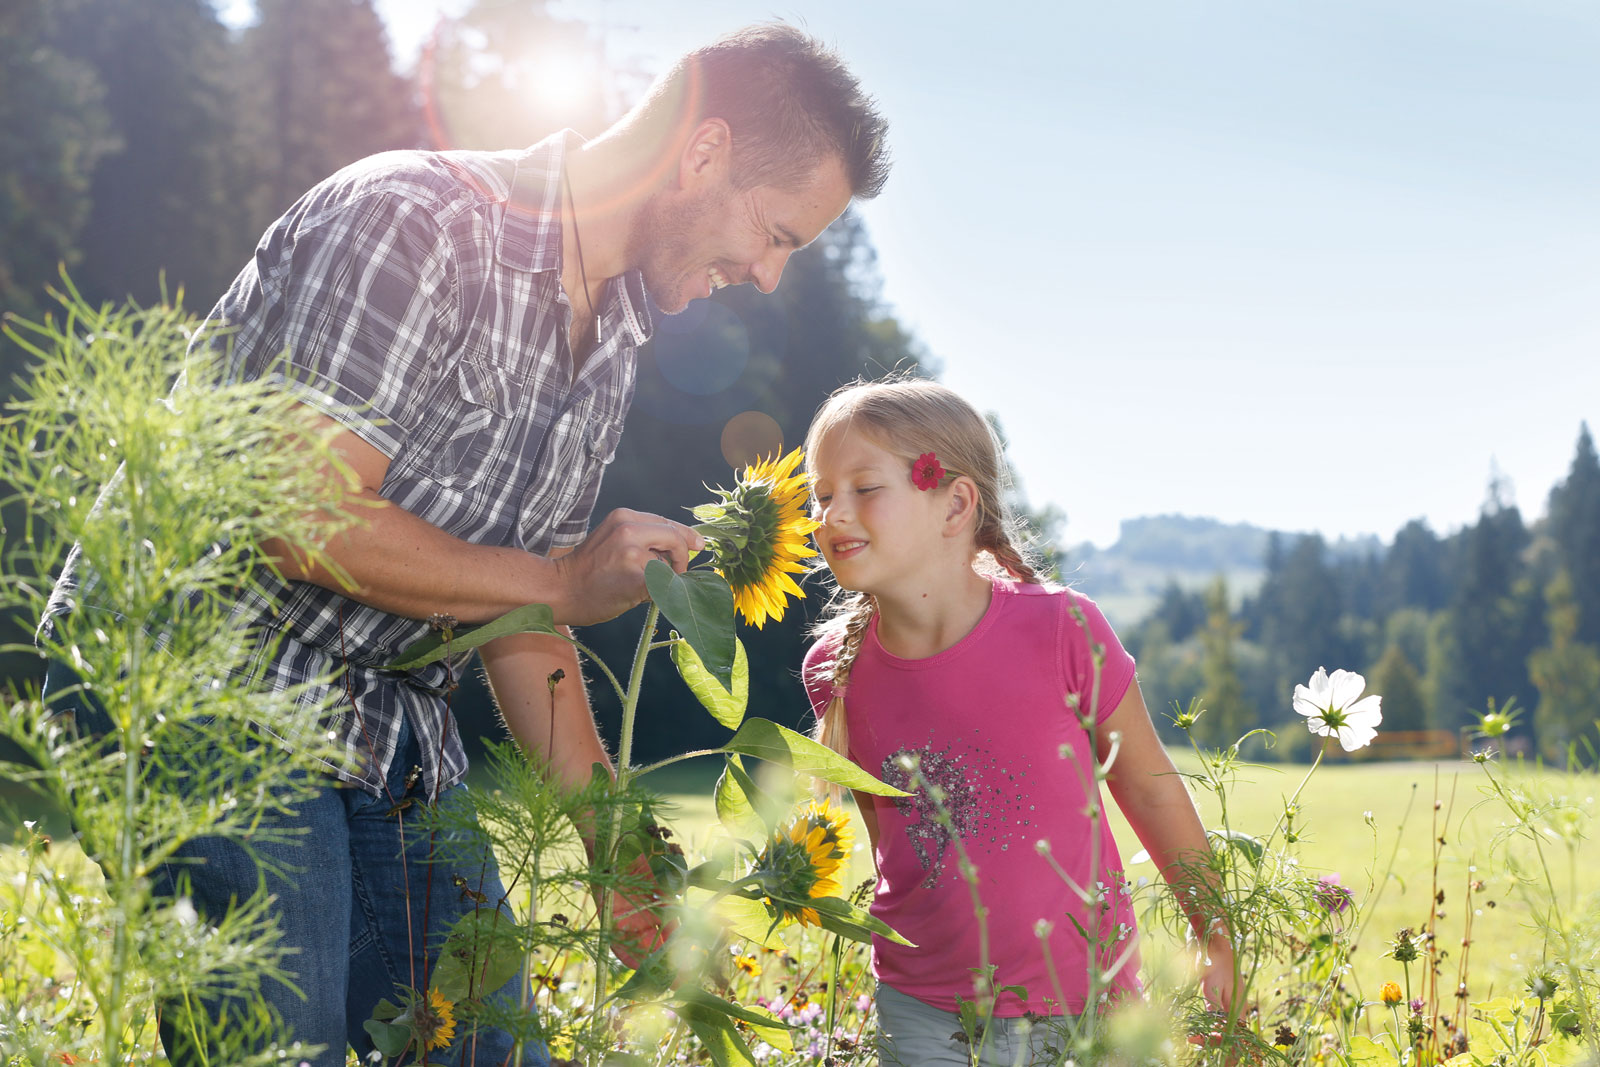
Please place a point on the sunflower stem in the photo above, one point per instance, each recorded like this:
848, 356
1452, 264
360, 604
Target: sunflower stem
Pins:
630, 706
630, 703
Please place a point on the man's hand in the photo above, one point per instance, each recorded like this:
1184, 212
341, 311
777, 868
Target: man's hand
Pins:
636, 926
604, 576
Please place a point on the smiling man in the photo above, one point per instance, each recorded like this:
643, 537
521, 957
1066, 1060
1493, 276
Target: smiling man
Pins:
468, 322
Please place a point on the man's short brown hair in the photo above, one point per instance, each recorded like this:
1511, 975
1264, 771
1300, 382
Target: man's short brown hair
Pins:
789, 102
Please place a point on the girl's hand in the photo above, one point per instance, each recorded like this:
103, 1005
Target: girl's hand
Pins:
1220, 988
1217, 981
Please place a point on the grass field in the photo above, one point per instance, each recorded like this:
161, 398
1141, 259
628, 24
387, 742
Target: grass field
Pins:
1392, 864
1392, 860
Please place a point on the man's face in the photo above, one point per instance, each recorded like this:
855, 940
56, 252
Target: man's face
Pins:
692, 243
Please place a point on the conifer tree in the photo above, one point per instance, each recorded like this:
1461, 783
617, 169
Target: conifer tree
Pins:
323, 94
1227, 715
1412, 574
1575, 527
1567, 674
1484, 612
53, 131
163, 204
506, 73
1404, 703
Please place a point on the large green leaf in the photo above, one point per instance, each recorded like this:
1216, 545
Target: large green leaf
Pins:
699, 605
839, 916
387, 1038
482, 952
736, 797
768, 1027
653, 977
747, 918
530, 618
1250, 847
717, 1033
725, 705
767, 740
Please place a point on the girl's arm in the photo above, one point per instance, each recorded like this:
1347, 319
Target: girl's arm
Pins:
1152, 796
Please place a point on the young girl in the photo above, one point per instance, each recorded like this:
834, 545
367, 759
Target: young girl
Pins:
947, 668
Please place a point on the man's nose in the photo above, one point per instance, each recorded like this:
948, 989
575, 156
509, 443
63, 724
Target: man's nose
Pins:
769, 268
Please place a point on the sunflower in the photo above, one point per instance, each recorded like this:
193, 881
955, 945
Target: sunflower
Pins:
435, 1022
748, 965
805, 859
757, 531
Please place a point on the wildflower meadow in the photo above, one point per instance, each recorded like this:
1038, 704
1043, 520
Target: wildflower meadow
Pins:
1381, 914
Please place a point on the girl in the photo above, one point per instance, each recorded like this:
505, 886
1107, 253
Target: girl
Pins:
946, 667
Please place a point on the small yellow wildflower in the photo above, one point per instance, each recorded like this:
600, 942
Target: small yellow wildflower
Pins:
748, 965
1391, 993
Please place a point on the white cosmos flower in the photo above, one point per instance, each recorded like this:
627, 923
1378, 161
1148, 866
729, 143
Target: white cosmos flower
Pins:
1333, 708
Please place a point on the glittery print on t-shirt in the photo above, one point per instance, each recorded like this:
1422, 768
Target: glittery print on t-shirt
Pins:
974, 801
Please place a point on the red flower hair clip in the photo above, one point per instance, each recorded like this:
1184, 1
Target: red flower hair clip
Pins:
926, 472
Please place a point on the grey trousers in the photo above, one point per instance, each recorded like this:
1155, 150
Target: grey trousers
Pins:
912, 1034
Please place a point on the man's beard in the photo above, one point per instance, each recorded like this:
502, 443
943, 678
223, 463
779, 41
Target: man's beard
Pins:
663, 242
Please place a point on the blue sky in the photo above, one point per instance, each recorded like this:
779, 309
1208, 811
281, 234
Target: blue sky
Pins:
1316, 266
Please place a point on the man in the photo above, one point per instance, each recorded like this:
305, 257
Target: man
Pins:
469, 322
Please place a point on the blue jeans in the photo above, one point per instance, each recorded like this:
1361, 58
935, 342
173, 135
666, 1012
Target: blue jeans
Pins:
344, 911
914, 1034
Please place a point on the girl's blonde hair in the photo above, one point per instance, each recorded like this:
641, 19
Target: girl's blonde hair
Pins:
908, 417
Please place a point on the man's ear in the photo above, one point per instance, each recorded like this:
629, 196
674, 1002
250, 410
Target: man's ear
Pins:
961, 506
707, 154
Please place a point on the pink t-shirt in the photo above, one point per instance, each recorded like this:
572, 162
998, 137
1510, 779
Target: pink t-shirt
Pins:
988, 721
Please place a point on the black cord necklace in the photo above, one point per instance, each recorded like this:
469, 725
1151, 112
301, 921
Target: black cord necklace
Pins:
577, 241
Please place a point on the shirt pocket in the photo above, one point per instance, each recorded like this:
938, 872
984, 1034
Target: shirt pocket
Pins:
600, 439
472, 436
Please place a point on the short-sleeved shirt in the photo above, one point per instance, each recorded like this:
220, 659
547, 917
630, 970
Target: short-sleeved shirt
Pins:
416, 298
990, 721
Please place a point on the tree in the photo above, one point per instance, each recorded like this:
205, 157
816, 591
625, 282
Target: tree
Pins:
1412, 574
507, 72
1183, 611
1227, 716
165, 203
1442, 676
1485, 612
324, 94
1575, 527
1395, 678
1408, 628
53, 132
1567, 674
1300, 605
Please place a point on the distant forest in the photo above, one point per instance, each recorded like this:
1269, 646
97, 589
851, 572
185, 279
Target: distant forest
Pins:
145, 147
1502, 611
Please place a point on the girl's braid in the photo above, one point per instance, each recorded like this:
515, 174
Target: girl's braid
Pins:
991, 536
833, 729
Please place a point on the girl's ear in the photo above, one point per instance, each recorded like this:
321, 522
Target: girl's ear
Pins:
961, 506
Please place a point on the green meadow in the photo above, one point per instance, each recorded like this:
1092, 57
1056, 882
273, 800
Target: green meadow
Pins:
1398, 835
1378, 827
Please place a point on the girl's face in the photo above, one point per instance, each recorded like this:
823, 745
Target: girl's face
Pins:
878, 529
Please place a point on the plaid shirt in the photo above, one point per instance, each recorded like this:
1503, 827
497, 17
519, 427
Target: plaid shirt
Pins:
418, 296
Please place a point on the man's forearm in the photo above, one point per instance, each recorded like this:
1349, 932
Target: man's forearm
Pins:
396, 562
